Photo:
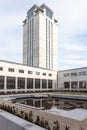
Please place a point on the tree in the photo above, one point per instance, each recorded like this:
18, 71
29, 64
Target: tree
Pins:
67, 127
30, 118
21, 113
56, 125
26, 116
37, 122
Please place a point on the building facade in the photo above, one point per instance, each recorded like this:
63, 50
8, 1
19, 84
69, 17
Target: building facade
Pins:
40, 38
21, 78
73, 79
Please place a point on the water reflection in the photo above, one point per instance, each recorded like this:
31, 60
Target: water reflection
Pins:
48, 103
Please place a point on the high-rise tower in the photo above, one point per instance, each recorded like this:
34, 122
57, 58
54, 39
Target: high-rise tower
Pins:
40, 38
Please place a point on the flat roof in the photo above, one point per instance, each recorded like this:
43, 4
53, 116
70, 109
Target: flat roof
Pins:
73, 69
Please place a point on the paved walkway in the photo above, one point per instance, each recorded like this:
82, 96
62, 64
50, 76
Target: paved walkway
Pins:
77, 114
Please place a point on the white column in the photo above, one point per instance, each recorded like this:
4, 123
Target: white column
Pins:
53, 82
33, 84
40, 102
41, 84
16, 83
77, 84
70, 86
25, 84
5, 83
47, 84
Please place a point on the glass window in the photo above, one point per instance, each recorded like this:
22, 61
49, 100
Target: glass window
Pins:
49, 83
74, 74
10, 82
74, 84
1, 82
31, 13
11, 69
44, 83
44, 74
21, 83
37, 83
82, 73
66, 75
37, 73
49, 13
50, 74
82, 84
30, 83
21, 71
1, 68
66, 84
30, 72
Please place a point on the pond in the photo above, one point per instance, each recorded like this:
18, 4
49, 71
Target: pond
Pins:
49, 103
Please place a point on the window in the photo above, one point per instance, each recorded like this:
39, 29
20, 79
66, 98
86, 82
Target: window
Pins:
44, 83
21, 71
21, 83
49, 13
30, 72
49, 83
74, 84
44, 74
82, 84
30, 83
11, 69
31, 13
37, 83
82, 73
1, 68
66, 84
1, 82
10, 82
66, 75
37, 73
50, 74
74, 74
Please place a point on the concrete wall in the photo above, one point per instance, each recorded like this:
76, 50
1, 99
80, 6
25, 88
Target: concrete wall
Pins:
6, 73
76, 79
11, 122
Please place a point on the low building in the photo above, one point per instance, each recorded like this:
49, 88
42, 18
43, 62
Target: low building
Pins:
15, 77
73, 79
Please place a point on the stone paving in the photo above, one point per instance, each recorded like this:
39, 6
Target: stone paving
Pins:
77, 114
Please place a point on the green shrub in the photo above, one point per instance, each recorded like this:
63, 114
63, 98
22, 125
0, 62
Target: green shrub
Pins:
56, 125
30, 117
67, 127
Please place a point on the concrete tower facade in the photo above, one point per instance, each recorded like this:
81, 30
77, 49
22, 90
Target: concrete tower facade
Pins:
40, 38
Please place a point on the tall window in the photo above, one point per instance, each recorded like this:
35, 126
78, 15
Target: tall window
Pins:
1, 82
37, 83
10, 82
74, 84
21, 83
49, 83
66, 84
44, 83
30, 83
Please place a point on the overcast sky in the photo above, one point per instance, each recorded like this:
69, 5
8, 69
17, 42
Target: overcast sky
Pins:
72, 30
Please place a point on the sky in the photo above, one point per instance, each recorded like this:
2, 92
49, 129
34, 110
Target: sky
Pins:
72, 30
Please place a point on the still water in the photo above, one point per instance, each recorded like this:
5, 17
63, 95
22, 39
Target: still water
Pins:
48, 103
